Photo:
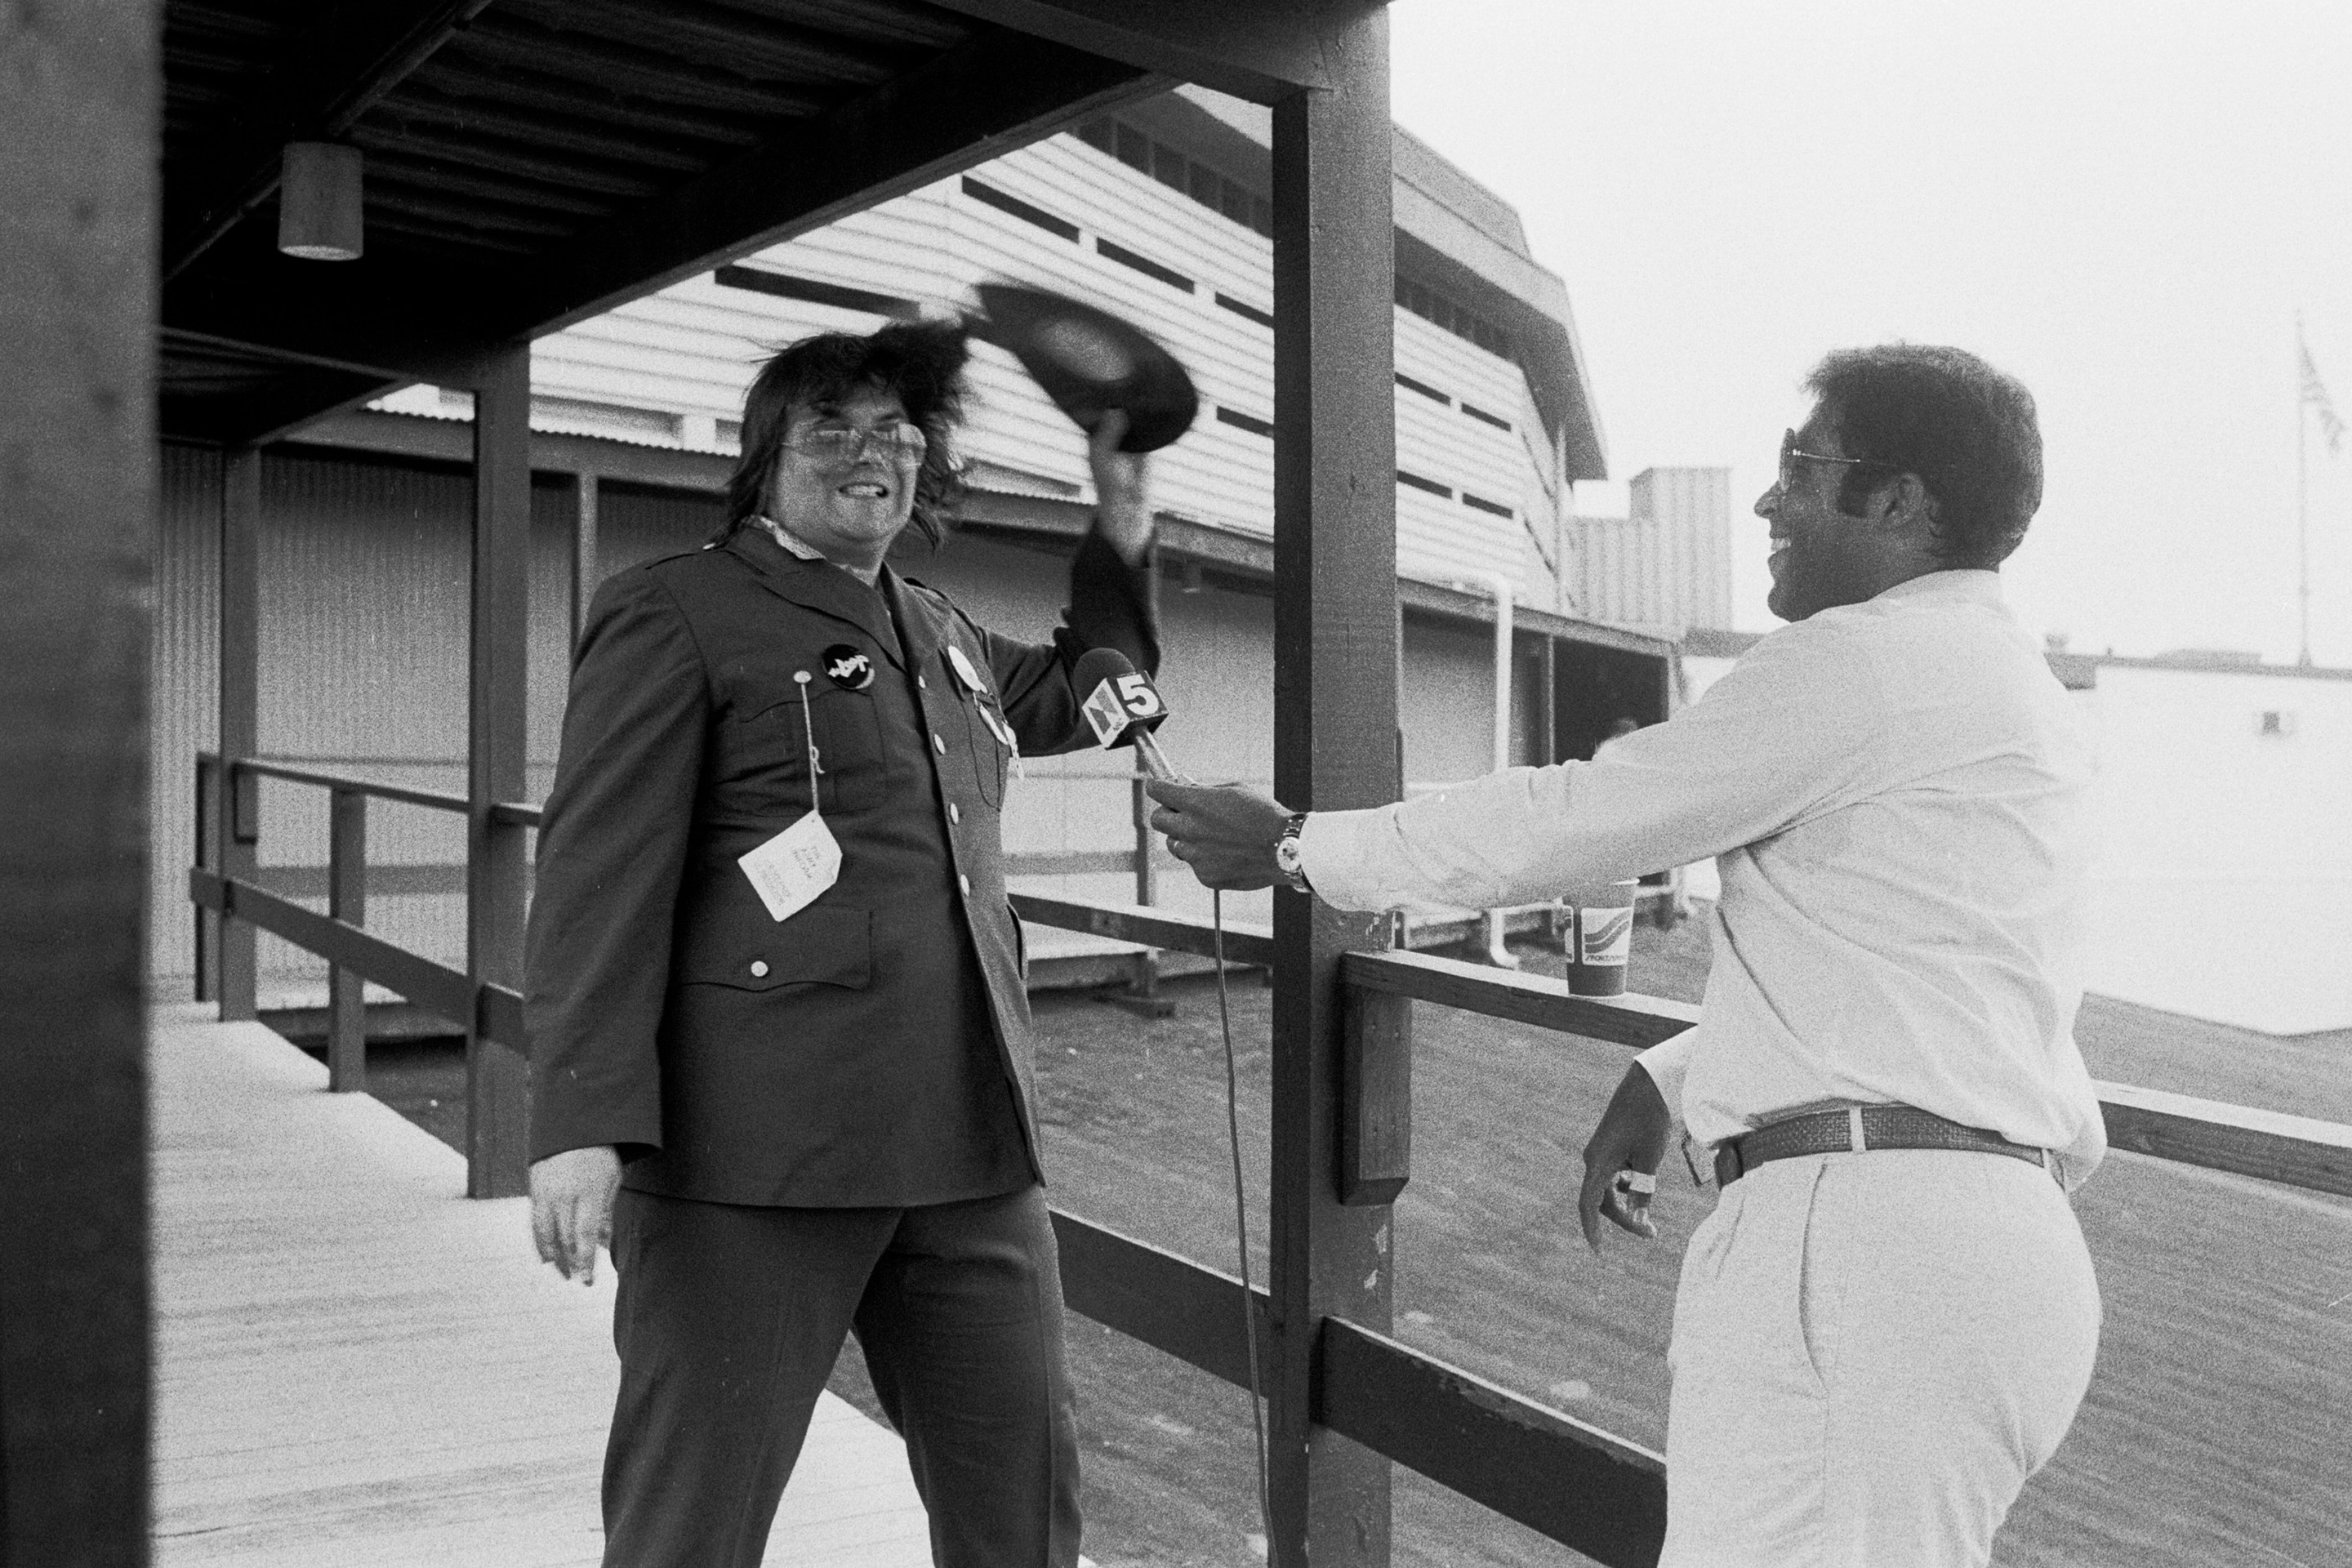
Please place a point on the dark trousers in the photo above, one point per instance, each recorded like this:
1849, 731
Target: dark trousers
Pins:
727, 1322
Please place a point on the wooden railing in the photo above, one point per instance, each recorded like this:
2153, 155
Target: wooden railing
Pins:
1597, 1493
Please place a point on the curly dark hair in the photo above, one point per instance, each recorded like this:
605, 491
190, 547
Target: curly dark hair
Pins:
920, 363
1968, 430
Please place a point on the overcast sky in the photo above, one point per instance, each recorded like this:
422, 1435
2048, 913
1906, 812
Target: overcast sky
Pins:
2124, 205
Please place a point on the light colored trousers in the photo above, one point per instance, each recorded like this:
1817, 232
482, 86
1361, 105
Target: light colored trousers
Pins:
1871, 1353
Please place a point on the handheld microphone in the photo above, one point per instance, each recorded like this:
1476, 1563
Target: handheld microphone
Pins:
1123, 708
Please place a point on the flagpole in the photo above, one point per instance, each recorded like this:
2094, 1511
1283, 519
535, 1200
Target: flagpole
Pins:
2301, 498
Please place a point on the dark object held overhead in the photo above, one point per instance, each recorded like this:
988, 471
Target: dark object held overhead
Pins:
1090, 362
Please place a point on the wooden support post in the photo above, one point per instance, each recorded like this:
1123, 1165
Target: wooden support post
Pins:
238, 829
1546, 717
1144, 971
1146, 977
79, 160
1375, 1098
1334, 721
585, 575
207, 932
347, 901
495, 1073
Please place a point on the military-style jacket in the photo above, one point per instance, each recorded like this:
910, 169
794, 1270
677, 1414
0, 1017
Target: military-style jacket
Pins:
872, 1049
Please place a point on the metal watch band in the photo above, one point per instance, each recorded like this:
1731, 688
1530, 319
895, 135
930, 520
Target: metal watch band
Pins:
1286, 853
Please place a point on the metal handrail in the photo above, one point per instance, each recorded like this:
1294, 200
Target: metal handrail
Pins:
431, 799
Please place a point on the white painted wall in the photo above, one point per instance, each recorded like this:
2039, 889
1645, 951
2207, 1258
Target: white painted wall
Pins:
2224, 884
691, 350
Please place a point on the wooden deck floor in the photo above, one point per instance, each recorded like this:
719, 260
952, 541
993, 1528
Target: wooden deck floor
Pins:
356, 1365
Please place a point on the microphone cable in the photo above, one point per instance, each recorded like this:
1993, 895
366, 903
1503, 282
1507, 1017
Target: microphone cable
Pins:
1241, 1216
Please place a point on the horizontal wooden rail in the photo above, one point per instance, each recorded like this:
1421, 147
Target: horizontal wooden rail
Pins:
416, 881
1628, 1020
437, 988
1245, 940
1585, 1488
431, 799
2296, 1151
1189, 1310
1595, 1492
1069, 862
448, 878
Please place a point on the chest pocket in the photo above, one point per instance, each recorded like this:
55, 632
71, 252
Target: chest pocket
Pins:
763, 762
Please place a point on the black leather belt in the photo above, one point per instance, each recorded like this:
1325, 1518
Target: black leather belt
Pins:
1882, 1127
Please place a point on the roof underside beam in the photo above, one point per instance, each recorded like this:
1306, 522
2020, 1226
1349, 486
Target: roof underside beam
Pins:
998, 92
1245, 47
277, 407
332, 73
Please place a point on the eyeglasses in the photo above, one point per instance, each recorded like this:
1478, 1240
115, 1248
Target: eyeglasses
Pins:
899, 442
1791, 455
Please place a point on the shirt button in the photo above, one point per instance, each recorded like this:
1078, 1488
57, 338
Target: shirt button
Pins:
965, 883
955, 813
758, 967
938, 745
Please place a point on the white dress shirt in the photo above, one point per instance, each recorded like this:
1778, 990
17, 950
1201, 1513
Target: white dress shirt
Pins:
1893, 792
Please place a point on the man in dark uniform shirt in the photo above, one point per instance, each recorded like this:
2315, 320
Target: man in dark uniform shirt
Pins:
774, 989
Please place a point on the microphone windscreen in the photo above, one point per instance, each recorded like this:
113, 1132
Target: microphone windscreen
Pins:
1097, 664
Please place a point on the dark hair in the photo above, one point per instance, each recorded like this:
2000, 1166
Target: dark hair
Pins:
920, 363
1968, 430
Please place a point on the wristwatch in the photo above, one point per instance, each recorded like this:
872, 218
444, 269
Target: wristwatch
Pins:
1287, 858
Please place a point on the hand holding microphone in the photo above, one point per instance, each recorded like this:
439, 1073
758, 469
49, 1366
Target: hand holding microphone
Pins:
1224, 833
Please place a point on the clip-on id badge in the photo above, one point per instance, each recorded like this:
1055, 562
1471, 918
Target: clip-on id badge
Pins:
792, 868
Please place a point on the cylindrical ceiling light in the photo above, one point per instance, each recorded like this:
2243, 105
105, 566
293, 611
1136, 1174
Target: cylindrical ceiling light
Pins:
319, 202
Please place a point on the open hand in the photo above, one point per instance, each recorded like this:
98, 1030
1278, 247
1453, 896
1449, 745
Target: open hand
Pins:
1631, 1136
571, 1208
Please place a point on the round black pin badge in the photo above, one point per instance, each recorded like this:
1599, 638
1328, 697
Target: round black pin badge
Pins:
849, 667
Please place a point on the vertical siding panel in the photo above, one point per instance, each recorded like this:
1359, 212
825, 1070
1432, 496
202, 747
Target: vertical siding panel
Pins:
693, 348
364, 634
185, 669
633, 525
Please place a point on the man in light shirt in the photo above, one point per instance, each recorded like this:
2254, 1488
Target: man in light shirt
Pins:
1889, 1321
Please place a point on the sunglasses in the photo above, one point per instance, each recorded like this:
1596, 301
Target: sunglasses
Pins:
1791, 455
899, 442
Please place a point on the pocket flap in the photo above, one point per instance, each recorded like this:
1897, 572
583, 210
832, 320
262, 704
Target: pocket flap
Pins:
823, 944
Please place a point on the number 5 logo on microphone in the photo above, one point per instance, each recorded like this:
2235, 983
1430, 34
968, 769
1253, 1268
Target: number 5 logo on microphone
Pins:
1143, 702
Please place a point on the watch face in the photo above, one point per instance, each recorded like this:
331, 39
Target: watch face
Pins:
1287, 854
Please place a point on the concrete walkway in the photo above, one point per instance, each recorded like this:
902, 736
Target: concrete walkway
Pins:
355, 1364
